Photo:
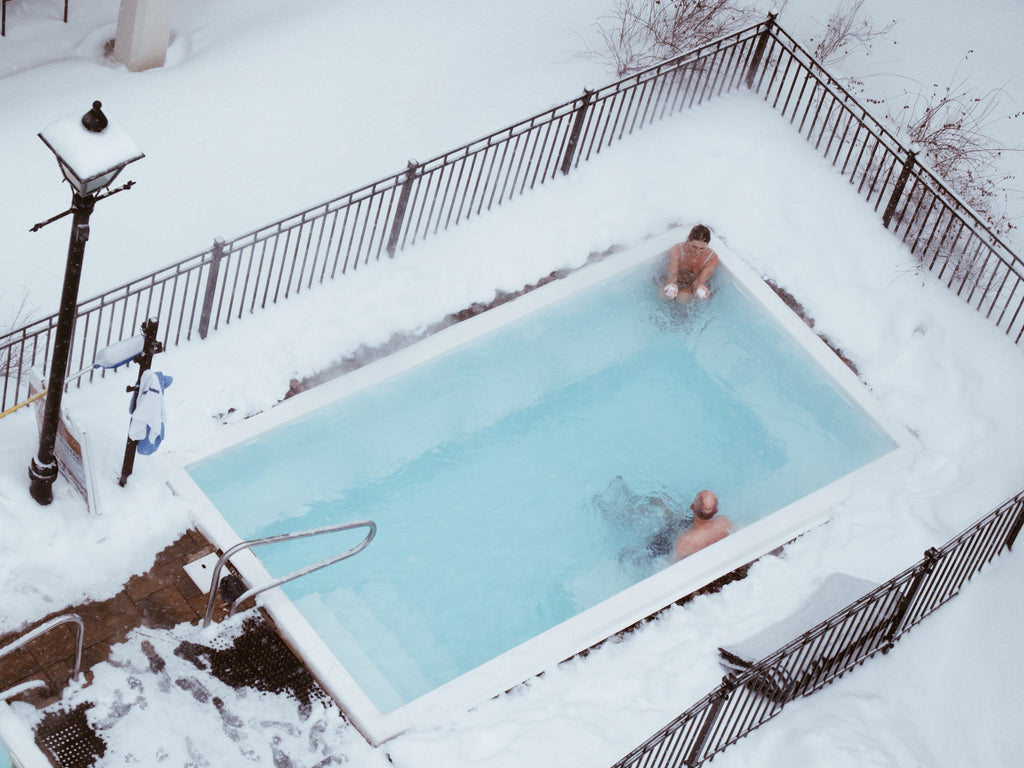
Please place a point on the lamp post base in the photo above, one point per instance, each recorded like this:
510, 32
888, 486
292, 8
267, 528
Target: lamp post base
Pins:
41, 479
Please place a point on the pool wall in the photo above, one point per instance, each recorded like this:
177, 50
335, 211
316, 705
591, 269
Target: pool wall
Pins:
590, 626
17, 741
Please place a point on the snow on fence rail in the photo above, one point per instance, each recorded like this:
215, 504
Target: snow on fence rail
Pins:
239, 276
872, 624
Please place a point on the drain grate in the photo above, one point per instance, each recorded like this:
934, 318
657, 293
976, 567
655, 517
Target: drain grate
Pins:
68, 739
258, 659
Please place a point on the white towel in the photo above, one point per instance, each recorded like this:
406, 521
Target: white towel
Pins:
148, 416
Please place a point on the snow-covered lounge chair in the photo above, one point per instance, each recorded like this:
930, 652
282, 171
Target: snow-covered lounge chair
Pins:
780, 683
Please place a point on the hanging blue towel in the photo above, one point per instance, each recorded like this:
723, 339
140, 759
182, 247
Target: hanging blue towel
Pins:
148, 412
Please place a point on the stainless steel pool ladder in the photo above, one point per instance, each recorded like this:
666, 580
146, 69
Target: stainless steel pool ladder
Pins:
215, 579
42, 629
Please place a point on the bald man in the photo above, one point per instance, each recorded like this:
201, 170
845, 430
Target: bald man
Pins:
708, 526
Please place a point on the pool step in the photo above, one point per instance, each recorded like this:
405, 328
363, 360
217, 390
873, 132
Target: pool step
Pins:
406, 676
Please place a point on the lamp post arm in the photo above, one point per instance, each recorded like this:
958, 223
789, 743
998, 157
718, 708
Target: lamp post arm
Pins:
95, 198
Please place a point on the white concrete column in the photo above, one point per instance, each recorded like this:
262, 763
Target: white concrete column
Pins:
143, 33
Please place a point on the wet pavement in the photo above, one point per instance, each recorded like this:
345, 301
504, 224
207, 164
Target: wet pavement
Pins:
160, 599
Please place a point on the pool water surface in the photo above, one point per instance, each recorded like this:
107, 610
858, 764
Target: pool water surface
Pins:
517, 478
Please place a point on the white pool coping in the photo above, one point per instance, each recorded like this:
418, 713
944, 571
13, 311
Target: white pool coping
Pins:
17, 738
593, 625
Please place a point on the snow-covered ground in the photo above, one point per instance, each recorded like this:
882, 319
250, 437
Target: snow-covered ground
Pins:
257, 97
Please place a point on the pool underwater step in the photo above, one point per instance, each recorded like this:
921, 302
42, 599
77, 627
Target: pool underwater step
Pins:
409, 676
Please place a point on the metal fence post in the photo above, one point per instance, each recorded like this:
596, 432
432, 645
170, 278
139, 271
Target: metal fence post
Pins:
211, 288
1015, 528
577, 130
762, 43
403, 202
931, 559
901, 184
718, 698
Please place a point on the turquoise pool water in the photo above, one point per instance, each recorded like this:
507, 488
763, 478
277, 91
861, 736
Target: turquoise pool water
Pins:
516, 480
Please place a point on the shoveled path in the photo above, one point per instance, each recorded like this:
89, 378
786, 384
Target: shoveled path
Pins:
161, 598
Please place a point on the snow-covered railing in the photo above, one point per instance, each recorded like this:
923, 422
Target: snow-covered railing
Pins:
946, 234
240, 276
872, 624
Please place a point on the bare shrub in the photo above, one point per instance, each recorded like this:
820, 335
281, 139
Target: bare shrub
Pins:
14, 359
640, 33
951, 127
847, 30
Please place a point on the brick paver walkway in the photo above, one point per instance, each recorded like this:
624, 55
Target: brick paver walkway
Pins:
161, 599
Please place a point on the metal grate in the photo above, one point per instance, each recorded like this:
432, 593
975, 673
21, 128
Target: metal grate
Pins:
260, 659
68, 739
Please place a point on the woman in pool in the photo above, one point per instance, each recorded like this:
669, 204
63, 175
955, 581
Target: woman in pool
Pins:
690, 266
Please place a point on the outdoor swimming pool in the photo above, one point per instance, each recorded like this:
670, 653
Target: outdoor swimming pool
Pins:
513, 468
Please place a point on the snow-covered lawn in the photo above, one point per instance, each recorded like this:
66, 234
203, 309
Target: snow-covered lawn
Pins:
267, 108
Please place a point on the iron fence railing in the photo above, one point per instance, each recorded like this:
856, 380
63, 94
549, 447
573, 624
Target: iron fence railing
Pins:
746, 700
267, 265
237, 277
947, 235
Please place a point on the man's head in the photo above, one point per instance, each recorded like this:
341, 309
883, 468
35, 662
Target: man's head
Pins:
704, 505
700, 232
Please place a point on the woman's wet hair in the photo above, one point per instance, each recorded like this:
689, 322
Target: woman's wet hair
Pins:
700, 232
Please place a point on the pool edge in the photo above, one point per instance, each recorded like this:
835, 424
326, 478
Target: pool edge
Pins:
17, 738
594, 625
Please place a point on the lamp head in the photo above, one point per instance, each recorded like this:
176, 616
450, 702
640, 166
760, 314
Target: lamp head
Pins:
91, 150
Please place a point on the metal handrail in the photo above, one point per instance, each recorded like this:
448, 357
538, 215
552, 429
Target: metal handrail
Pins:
215, 579
42, 629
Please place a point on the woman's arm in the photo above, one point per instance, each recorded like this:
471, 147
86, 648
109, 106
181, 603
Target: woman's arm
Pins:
675, 258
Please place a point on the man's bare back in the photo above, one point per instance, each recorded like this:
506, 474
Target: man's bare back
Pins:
708, 526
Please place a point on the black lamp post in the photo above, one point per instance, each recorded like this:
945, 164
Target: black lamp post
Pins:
91, 151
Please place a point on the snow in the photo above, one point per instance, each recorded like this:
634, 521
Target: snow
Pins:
257, 97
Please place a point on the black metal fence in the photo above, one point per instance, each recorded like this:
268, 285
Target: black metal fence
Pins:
872, 624
237, 277
948, 237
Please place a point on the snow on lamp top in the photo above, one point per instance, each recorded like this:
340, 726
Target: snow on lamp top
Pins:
91, 149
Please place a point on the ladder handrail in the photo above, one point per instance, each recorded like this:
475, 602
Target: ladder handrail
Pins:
42, 629
215, 579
